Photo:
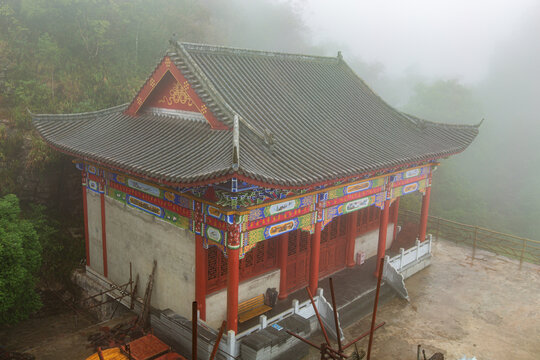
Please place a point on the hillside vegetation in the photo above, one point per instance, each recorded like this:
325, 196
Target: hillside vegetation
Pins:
64, 56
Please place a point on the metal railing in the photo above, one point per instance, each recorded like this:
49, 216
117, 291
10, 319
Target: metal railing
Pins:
515, 247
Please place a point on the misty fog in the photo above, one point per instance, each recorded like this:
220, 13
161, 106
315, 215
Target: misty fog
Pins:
448, 61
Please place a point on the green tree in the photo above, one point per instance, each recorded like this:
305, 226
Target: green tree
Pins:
20, 260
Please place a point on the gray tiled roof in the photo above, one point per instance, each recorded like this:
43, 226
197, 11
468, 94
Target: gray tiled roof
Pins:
304, 120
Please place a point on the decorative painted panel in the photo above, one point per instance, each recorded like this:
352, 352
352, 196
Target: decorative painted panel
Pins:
277, 212
304, 222
331, 212
361, 186
160, 212
150, 190
253, 196
359, 190
409, 188
277, 218
410, 175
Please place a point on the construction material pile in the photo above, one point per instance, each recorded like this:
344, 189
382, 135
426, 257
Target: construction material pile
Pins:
7, 355
118, 335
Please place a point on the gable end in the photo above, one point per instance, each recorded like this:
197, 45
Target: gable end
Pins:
168, 89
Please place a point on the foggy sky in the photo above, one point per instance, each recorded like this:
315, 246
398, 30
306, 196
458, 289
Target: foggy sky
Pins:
433, 38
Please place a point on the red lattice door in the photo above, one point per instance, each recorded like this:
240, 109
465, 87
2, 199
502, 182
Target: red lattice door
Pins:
333, 246
298, 250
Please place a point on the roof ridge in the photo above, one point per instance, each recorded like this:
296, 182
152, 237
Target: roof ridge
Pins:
105, 111
253, 52
215, 94
202, 78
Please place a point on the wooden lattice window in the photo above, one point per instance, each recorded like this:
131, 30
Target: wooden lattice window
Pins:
212, 263
325, 234
291, 245
304, 238
256, 262
334, 228
343, 225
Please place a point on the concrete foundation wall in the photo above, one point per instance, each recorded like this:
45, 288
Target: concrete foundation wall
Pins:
216, 303
368, 242
141, 238
94, 231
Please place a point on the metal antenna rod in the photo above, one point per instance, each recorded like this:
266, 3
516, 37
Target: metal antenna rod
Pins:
334, 305
318, 316
218, 339
379, 279
194, 335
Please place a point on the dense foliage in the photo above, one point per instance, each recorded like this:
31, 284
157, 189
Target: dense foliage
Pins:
63, 56
20, 260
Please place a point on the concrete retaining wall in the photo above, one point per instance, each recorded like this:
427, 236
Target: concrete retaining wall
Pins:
216, 309
94, 231
141, 238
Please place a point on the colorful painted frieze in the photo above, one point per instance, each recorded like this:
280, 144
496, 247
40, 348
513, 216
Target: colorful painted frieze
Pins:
419, 185
251, 197
151, 190
94, 185
304, 222
220, 245
362, 188
410, 176
149, 208
280, 211
331, 212
278, 218
212, 212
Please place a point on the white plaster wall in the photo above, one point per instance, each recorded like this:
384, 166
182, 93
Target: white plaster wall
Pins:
133, 235
216, 303
93, 202
368, 242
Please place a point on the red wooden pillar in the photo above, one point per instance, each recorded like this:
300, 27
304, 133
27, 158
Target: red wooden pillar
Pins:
383, 230
104, 234
85, 212
395, 218
424, 214
351, 238
233, 278
283, 250
315, 256
200, 276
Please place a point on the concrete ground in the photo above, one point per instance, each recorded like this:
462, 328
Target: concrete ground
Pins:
486, 308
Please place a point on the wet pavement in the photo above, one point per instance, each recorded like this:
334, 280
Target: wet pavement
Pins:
486, 308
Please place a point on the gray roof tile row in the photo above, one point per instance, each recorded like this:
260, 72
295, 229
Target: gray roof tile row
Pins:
325, 123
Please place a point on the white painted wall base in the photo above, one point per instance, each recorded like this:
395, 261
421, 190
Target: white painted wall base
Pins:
368, 242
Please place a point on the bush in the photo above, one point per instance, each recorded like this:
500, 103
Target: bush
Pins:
20, 261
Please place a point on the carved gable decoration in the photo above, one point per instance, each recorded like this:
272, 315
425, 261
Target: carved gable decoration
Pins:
168, 89
173, 95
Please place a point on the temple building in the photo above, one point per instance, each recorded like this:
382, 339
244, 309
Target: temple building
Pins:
241, 170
